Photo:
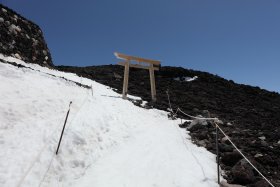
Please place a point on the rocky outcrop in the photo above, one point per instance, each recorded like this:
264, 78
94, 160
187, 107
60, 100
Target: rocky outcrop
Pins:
22, 39
251, 115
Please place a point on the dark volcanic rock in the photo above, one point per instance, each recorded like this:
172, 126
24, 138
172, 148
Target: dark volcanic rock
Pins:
22, 39
225, 147
243, 173
231, 158
261, 183
185, 124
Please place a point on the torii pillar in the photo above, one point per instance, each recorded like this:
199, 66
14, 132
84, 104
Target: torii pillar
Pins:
151, 65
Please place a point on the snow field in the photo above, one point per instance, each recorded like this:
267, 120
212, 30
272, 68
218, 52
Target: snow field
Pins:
107, 141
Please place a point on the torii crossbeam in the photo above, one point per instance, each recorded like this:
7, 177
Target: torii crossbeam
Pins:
151, 65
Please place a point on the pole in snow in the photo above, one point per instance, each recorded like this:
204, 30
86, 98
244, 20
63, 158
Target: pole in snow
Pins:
63, 128
217, 152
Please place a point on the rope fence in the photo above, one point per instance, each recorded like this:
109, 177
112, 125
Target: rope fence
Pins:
217, 127
215, 120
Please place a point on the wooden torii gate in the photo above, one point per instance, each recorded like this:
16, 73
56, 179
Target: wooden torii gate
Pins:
151, 65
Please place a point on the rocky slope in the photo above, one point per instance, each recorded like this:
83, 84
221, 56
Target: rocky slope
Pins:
251, 115
22, 38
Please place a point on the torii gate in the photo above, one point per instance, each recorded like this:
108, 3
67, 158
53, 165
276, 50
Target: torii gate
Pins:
152, 66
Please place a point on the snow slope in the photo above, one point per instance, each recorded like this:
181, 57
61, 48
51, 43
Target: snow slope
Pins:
107, 142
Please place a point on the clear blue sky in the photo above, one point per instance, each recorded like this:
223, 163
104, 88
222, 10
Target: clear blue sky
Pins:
236, 39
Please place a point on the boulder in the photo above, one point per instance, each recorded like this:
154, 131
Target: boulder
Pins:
185, 124
231, 158
243, 173
261, 183
225, 148
225, 184
196, 122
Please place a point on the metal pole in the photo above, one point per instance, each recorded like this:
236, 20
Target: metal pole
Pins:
63, 128
217, 151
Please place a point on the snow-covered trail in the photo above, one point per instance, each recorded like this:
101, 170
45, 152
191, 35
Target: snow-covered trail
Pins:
158, 156
108, 141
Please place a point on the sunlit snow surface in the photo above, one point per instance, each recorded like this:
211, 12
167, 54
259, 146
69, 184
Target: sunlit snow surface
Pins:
186, 79
108, 142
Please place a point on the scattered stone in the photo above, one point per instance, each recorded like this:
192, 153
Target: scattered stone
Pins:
197, 122
45, 52
253, 142
278, 142
205, 113
18, 56
225, 184
225, 148
231, 158
264, 143
4, 10
219, 122
202, 143
258, 155
35, 42
196, 110
243, 173
1, 20
117, 76
203, 135
261, 183
185, 124
229, 124
225, 140
262, 137
14, 28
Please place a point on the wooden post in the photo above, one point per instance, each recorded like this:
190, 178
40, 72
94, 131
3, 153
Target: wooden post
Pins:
125, 79
152, 81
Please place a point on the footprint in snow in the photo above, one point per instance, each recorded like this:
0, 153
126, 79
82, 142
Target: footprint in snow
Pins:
77, 163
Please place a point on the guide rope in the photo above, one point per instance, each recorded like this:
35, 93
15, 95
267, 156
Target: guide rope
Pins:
243, 155
218, 127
